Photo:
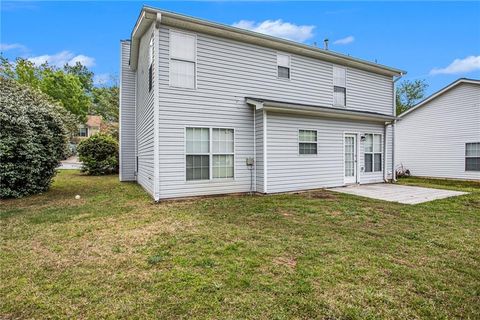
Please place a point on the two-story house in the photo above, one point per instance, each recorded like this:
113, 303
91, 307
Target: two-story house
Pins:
207, 108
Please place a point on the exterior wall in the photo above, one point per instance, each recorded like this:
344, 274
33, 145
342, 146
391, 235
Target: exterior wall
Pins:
145, 118
431, 140
227, 72
127, 115
290, 171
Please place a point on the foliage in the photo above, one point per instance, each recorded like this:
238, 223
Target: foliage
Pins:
105, 102
110, 128
314, 255
99, 154
33, 139
83, 74
64, 87
408, 93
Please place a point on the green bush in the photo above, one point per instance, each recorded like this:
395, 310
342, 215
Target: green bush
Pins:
99, 154
33, 140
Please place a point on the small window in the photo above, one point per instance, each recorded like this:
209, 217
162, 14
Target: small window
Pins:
150, 64
198, 153
472, 156
283, 66
373, 152
83, 132
182, 60
339, 86
307, 142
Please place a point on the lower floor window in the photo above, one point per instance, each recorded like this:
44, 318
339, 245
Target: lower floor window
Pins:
373, 152
472, 156
209, 153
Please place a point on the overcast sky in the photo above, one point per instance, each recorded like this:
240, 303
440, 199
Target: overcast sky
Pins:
435, 41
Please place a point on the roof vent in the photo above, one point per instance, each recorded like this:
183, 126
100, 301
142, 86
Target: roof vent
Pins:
325, 44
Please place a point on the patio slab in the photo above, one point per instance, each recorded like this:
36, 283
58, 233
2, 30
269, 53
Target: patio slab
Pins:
398, 193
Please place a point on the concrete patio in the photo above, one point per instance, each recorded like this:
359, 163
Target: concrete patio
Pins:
398, 193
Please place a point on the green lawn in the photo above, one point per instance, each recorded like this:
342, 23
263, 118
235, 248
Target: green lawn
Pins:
114, 253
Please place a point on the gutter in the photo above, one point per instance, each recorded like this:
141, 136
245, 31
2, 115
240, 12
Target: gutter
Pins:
394, 173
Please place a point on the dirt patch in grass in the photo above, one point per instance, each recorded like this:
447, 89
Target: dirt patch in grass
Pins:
288, 262
321, 194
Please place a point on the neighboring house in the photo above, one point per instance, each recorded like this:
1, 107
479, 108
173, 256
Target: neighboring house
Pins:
91, 127
208, 109
440, 136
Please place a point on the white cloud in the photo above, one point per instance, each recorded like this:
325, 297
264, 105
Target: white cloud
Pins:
345, 40
12, 46
465, 65
62, 58
278, 28
102, 79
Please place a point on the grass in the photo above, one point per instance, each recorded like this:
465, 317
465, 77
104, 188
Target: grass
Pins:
115, 254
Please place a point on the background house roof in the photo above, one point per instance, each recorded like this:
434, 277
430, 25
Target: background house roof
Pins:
438, 93
94, 121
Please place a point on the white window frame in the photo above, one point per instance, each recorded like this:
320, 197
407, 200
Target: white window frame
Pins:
298, 143
210, 154
86, 131
194, 61
289, 66
465, 167
373, 152
344, 105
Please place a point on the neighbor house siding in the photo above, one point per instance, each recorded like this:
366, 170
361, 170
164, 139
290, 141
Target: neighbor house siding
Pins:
259, 155
431, 139
127, 115
145, 118
227, 72
290, 171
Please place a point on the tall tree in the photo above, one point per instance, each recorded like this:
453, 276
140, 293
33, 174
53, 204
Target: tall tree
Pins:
83, 74
105, 102
409, 93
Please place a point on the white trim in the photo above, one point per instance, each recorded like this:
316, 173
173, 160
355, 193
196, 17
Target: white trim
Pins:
265, 158
298, 143
254, 168
210, 155
156, 113
355, 158
194, 61
120, 158
438, 93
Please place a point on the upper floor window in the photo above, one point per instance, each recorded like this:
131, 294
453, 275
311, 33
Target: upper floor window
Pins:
339, 86
182, 60
307, 142
472, 156
373, 152
283, 66
150, 64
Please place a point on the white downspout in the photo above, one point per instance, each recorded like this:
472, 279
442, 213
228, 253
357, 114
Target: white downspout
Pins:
394, 174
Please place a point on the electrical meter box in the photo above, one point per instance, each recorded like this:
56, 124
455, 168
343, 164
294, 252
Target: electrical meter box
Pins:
250, 161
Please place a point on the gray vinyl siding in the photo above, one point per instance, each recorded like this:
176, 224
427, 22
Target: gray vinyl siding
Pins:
227, 72
290, 171
259, 151
431, 139
145, 118
127, 115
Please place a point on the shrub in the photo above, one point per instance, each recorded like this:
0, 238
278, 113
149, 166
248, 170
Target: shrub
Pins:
33, 140
99, 154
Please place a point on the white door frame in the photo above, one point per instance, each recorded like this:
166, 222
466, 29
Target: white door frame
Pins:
354, 179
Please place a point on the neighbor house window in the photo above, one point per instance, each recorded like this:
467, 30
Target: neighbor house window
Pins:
373, 152
472, 156
83, 132
339, 86
307, 142
203, 157
182, 60
283, 66
150, 64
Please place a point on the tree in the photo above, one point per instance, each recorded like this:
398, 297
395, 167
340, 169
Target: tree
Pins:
68, 86
408, 93
105, 103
